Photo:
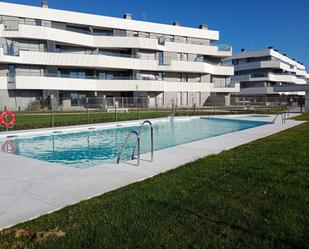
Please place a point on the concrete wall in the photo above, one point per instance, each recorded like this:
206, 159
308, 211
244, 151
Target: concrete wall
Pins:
15, 99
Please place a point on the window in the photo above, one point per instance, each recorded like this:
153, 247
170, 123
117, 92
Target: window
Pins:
160, 58
135, 33
179, 77
81, 75
161, 40
78, 99
147, 35
11, 73
38, 22
58, 49
10, 47
172, 38
235, 62
11, 69
77, 74
185, 77
102, 76
73, 74
106, 75
160, 76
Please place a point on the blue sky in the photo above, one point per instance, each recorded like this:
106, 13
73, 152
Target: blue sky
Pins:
250, 24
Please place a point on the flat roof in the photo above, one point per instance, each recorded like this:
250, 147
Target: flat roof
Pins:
267, 52
18, 10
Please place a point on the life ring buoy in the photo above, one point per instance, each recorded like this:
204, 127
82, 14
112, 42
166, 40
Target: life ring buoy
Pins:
7, 123
9, 147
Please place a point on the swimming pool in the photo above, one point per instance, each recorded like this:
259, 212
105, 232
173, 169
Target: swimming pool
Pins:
91, 147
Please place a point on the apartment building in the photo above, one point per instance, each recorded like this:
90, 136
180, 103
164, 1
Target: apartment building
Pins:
72, 57
259, 71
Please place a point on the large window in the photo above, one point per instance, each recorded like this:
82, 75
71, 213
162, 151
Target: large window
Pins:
11, 73
38, 22
160, 75
10, 47
77, 74
160, 58
105, 75
78, 99
11, 69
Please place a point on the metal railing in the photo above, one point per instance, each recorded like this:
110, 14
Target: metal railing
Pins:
124, 146
173, 112
141, 77
151, 139
283, 117
221, 47
76, 108
165, 59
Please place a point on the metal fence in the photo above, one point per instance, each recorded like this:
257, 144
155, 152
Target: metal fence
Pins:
81, 102
42, 113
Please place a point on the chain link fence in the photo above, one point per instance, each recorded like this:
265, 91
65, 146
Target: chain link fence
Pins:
43, 113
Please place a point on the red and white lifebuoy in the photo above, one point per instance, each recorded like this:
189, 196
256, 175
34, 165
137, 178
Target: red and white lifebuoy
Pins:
5, 123
9, 147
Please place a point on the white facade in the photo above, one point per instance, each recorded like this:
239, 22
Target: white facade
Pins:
259, 71
54, 52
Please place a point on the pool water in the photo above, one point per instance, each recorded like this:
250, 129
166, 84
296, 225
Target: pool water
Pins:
86, 148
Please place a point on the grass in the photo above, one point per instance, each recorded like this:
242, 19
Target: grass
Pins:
253, 196
33, 120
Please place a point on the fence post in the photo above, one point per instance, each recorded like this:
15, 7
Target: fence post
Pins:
52, 117
52, 111
156, 110
115, 110
87, 110
215, 99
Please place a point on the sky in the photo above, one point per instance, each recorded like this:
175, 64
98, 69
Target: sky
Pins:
249, 24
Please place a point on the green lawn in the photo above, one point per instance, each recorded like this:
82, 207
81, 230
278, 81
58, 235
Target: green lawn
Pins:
253, 196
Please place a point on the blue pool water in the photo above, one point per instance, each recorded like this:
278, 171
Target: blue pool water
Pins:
86, 148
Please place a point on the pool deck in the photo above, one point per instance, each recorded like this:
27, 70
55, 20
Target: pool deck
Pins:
30, 188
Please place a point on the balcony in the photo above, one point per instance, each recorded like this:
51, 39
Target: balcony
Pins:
272, 77
114, 41
111, 62
123, 84
277, 64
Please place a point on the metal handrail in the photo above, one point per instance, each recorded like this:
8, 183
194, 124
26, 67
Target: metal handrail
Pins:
151, 138
282, 116
125, 143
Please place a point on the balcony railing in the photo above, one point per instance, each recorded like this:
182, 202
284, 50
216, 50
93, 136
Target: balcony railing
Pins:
165, 59
221, 47
217, 84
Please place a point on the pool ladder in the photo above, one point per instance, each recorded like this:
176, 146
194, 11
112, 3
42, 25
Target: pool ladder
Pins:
282, 113
137, 143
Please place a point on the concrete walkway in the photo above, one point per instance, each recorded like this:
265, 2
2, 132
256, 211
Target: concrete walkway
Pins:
30, 188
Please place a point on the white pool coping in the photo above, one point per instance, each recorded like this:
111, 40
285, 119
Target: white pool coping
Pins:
30, 188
